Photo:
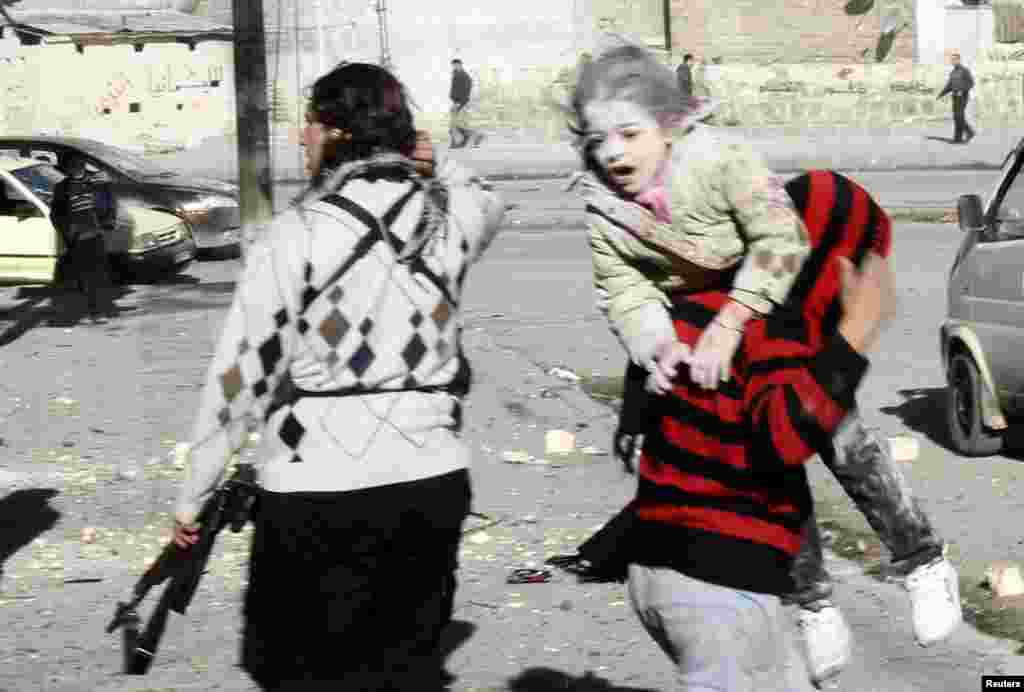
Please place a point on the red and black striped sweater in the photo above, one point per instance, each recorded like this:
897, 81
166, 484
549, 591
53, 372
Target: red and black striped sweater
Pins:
722, 492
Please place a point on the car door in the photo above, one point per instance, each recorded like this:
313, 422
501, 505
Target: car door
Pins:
29, 247
996, 287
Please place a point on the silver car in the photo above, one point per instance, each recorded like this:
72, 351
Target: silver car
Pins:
982, 339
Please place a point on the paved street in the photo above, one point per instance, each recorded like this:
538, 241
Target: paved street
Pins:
92, 414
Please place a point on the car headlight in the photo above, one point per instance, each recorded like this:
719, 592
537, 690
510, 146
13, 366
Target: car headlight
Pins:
144, 241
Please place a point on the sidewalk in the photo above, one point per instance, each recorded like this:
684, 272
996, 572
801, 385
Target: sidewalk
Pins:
787, 150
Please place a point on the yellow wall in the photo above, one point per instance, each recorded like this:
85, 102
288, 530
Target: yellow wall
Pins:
53, 89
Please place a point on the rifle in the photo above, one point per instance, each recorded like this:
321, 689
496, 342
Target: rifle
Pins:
230, 505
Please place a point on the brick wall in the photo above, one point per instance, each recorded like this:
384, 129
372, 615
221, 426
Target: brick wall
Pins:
786, 31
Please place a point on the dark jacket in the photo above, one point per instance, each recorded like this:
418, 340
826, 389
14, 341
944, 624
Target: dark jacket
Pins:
684, 73
462, 86
82, 207
960, 79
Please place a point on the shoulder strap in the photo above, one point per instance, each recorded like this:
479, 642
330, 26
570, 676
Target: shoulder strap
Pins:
379, 229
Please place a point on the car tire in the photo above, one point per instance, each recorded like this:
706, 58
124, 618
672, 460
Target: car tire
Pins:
967, 431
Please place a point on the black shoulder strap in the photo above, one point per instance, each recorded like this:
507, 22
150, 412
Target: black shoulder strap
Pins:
379, 229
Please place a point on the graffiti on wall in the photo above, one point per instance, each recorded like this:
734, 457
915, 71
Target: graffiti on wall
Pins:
114, 96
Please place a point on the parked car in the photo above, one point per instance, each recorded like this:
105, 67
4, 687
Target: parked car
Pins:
982, 339
210, 207
30, 246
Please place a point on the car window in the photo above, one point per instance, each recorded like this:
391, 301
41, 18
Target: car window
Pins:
47, 155
14, 203
1010, 215
129, 164
40, 179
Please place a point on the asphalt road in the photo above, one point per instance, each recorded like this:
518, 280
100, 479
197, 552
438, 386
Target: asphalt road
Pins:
528, 307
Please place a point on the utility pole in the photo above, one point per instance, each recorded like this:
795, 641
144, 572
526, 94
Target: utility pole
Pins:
318, 14
382, 32
254, 175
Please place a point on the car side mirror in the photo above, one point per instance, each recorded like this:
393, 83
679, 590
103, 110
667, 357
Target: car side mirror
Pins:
969, 213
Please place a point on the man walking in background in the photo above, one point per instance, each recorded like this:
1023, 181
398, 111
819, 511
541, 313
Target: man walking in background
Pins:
462, 88
959, 84
684, 73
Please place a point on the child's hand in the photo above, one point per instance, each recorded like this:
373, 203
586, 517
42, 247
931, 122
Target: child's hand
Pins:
666, 366
712, 359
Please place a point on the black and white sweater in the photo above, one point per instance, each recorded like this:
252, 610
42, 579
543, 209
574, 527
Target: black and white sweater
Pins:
385, 333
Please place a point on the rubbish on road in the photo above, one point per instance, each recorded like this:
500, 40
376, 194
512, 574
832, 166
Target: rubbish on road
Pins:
1004, 579
483, 605
128, 472
594, 451
559, 442
180, 454
88, 534
525, 575
563, 374
904, 448
516, 457
479, 538
565, 605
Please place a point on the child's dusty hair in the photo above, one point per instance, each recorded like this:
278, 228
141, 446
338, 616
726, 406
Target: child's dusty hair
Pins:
628, 72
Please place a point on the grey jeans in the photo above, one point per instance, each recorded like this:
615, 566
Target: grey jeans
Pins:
864, 467
720, 639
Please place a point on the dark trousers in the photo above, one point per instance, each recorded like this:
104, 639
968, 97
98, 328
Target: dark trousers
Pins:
89, 267
351, 591
864, 467
960, 126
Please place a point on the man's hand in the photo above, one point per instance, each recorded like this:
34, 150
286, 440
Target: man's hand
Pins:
868, 298
712, 359
423, 155
186, 533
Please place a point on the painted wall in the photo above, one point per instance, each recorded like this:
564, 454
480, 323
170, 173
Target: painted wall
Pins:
165, 94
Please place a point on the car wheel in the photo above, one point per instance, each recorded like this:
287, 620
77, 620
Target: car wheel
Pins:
968, 433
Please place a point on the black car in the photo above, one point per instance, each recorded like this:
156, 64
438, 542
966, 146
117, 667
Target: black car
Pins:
210, 207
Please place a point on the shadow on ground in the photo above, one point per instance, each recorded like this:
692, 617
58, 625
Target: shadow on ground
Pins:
924, 411
946, 140
53, 307
549, 680
24, 516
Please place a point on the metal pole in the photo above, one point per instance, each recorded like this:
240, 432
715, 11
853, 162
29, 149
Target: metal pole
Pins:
318, 15
254, 175
382, 26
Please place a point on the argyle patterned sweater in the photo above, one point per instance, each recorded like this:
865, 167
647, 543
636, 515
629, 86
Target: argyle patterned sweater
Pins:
722, 490
332, 301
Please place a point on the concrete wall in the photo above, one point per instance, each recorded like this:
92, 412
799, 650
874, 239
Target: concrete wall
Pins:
160, 95
784, 31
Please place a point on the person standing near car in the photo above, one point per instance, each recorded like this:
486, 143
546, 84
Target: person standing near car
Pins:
81, 210
959, 84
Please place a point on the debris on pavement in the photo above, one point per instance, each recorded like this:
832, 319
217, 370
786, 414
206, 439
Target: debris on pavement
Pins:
904, 448
559, 442
563, 374
594, 451
88, 534
515, 457
525, 575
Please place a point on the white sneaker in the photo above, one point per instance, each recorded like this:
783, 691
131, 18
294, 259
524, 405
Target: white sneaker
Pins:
826, 638
935, 601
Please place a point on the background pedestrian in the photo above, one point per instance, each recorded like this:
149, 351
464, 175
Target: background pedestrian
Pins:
959, 85
460, 93
82, 209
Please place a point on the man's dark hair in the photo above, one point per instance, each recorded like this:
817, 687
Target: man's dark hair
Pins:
370, 104
688, 57
456, 61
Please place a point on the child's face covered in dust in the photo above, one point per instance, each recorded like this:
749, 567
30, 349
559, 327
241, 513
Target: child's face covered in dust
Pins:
627, 142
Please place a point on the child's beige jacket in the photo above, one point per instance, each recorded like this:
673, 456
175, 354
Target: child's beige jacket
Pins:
729, 212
